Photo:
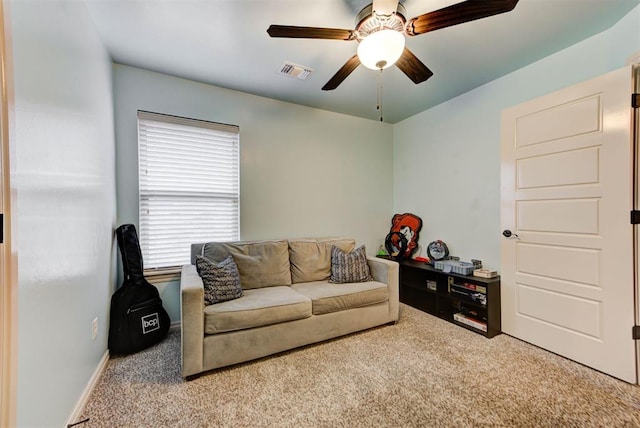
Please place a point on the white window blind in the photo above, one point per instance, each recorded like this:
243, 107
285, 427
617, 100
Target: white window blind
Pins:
189, 186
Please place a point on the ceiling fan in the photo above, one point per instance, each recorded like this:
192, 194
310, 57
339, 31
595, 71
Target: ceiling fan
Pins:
380, 30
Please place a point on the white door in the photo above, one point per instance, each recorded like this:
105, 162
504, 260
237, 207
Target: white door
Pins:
568, 267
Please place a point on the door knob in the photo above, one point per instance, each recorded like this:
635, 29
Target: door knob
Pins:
508, 234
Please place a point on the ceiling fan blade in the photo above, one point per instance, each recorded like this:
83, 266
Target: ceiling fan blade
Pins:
413, 67
342, 74
293, 32
385, 7
459, 13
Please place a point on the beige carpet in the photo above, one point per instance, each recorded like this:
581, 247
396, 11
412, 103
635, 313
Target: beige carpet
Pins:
421, 372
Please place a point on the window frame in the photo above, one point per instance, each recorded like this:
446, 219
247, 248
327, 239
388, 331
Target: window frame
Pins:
146, 192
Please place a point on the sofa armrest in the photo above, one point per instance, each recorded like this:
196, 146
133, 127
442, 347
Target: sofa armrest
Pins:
192, 320
388, 272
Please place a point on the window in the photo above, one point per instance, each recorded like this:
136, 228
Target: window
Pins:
189, 186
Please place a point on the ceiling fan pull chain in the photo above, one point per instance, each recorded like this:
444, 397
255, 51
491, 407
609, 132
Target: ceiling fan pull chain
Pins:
379, 107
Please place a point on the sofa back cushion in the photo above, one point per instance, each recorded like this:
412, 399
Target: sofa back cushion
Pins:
260, 263
311, 258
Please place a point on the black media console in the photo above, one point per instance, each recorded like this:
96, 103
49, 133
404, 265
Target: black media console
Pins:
469, 301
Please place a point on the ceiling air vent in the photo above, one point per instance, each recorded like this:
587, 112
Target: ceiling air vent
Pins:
296, 71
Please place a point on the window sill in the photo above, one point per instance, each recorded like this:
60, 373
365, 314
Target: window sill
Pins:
163, 275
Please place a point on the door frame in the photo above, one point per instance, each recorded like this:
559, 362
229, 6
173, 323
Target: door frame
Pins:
8, 263
635, 129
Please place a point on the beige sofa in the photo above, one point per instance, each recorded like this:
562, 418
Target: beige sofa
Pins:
287, 301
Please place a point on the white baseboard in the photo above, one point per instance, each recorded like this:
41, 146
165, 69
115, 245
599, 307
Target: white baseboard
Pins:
77, 411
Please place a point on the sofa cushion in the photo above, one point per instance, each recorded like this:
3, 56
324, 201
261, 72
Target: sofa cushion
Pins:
260, 263
349, 267
311, 258
221, 281
257, 307
327, 297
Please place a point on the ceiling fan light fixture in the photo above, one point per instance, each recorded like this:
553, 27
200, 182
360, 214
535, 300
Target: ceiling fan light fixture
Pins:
381, 49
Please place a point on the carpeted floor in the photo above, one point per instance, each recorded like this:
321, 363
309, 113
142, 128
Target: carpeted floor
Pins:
421, 372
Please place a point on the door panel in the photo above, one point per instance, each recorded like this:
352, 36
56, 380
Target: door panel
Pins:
559, 309
580, 265
568, 216
568, 271
549, 170
564, 120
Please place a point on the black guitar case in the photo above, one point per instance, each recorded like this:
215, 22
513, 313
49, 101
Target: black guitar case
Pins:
138, 319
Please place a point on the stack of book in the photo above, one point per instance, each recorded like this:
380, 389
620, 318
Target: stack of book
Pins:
485, 273
472, 322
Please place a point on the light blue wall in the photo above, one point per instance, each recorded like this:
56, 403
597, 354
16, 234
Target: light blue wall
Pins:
63, 178
447, 159
303, 171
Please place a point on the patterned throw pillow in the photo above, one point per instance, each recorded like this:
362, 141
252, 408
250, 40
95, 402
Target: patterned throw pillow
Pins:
349, 267
221, 280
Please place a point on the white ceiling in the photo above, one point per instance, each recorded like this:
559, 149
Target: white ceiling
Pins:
225, 43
